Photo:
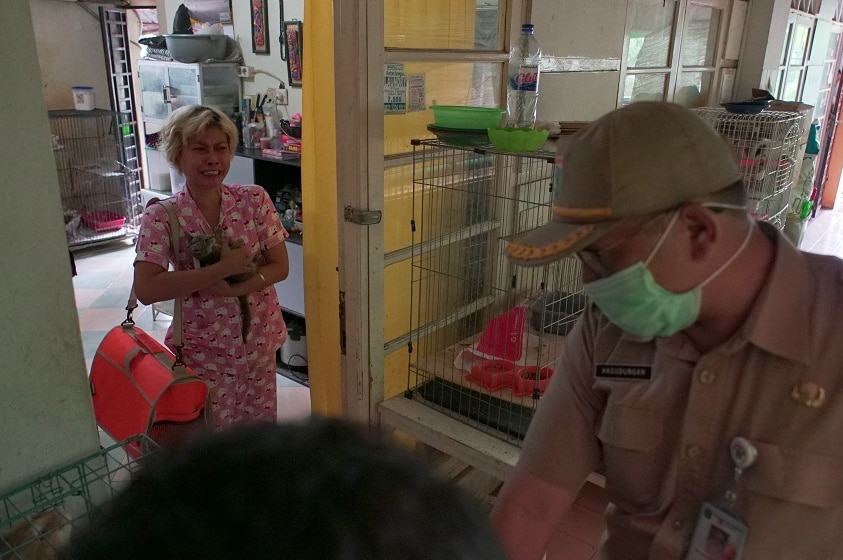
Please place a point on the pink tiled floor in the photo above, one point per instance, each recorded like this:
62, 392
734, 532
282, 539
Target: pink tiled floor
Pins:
102, 288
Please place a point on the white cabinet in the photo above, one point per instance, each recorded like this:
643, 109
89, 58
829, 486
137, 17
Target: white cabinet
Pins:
291, 290
166, 86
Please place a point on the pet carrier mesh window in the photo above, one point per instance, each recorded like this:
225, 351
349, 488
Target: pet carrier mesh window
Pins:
766, 146
485, 334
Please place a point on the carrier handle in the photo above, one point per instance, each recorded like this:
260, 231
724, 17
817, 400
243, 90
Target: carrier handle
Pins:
132, 304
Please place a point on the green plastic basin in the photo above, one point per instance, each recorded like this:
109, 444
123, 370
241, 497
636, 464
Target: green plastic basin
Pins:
517, 139
466, 118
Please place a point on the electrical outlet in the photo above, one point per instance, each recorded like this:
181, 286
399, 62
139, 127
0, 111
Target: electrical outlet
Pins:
246, 71
281, 96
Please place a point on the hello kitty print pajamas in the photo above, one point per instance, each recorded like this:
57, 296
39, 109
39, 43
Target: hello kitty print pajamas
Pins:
241, 373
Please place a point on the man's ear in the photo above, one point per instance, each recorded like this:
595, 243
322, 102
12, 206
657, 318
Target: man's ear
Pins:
704, 230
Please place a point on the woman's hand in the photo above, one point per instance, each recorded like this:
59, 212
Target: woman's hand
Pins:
224, 289
236, 260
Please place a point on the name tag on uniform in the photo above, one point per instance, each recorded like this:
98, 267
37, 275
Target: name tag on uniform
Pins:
622, 372
718, 535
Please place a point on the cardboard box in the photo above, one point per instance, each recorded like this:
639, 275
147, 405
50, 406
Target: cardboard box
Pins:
807, 111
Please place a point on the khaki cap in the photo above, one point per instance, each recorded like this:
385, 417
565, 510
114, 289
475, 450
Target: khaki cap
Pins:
641, 159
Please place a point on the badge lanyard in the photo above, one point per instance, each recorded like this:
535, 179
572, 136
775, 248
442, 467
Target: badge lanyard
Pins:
720, 532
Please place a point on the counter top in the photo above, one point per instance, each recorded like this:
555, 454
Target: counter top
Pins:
255, 153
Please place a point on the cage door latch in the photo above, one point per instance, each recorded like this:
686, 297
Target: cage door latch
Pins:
362, 217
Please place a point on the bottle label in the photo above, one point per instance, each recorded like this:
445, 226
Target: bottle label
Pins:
526, 79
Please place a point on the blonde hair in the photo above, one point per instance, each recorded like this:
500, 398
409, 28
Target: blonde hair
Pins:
189, 122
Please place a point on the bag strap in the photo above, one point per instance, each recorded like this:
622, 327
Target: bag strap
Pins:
178, 329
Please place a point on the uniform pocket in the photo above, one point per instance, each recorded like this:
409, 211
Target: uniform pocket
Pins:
630, 428
795, 476
633, 456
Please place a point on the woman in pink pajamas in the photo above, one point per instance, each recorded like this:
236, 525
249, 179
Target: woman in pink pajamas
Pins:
199, 142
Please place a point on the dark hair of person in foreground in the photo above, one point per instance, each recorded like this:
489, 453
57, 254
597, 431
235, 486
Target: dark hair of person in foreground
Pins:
324, 489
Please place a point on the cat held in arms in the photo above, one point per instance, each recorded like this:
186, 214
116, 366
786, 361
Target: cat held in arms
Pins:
206, 250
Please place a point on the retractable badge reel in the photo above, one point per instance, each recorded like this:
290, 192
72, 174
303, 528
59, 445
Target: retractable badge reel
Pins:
720, 532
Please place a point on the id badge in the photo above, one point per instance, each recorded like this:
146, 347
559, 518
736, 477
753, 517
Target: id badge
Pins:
718, 535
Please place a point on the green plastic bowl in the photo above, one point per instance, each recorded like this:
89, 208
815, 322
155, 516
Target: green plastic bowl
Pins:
466, 118
517, 139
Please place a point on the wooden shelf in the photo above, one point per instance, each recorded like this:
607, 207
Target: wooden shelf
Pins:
482, 451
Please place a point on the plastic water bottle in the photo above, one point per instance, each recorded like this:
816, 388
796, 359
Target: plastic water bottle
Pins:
524, 59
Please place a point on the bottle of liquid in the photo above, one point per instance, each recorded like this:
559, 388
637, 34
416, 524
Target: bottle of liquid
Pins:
524, 59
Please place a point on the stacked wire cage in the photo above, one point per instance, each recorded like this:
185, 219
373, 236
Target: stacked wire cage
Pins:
38, 518
100, 194
485, 333
766, 146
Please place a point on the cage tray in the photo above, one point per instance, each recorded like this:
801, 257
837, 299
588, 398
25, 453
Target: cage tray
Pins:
511, 419
441, 366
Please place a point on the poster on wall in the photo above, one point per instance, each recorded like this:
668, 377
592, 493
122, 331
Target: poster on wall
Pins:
394, 89
260, 32
402, 92
415, 93
293, 43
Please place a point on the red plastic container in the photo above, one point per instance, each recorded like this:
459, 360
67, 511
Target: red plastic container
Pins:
492, 374
103, 220
524, 380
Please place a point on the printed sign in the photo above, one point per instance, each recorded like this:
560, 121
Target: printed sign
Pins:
394, 89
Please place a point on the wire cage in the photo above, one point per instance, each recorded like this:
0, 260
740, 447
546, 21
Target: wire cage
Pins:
485, 334
100, 194
37, 519
766, 146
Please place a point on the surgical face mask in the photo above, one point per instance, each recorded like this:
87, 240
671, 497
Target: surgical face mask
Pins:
633, 301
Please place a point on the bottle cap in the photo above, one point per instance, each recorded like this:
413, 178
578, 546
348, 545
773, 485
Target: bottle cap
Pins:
527, 27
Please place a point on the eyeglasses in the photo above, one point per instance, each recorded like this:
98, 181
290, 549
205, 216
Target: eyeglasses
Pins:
593, 259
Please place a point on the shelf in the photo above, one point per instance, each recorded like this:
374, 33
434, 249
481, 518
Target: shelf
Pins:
459, 440
291, 159
465, 443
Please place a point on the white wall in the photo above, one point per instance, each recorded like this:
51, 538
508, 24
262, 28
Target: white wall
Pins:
69, 47
761, 48
45, 405
592, 29
269, 68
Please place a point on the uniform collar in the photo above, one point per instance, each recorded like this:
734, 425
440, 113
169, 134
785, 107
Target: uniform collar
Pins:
777, 322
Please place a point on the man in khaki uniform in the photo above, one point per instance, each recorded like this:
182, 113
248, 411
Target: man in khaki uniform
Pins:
711, 343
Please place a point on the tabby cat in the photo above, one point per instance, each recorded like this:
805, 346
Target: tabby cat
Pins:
206, 250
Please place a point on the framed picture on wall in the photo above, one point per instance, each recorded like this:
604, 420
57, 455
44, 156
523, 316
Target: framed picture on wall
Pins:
260, 32
293, 43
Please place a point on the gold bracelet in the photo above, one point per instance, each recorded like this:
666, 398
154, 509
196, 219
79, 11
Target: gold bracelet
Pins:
263, 279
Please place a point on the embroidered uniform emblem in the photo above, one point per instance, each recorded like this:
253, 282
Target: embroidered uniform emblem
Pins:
808, 393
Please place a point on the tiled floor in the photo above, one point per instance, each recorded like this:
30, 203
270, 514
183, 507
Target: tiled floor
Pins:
102, 288
824, 234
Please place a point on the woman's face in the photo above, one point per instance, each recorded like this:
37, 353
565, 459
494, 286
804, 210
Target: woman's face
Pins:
204, 160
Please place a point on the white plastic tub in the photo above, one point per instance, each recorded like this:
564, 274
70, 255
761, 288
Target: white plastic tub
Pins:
83, 98
196, 48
